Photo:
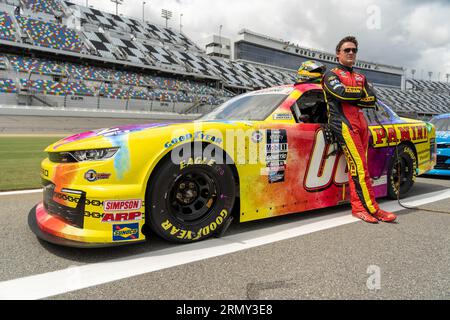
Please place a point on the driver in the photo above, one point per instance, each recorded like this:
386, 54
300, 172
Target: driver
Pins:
346, 93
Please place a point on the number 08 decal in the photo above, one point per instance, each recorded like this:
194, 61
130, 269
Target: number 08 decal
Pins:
322, 169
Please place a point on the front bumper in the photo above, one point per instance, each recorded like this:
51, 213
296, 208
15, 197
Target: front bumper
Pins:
438, 172
55, 230
442, 167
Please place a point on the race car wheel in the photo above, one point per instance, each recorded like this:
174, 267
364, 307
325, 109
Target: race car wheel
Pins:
401, 174
191, 200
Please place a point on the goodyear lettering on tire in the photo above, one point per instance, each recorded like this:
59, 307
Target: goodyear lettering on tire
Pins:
190, 235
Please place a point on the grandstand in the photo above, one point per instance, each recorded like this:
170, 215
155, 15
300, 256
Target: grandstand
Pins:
420, 99
52, 50
60, 54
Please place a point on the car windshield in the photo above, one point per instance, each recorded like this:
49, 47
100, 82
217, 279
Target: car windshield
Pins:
441, 124
252, 107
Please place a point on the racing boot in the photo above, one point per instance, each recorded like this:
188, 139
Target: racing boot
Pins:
385, 216
365, 216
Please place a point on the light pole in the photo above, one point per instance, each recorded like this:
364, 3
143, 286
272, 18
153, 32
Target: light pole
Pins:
447, 75
430, 73
413, 71
166, 15
117, 2
143, 11
181, 16
220, 39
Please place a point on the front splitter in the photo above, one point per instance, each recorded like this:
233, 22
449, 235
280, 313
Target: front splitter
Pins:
33, 224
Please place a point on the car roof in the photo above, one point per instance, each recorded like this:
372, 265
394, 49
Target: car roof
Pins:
284, 89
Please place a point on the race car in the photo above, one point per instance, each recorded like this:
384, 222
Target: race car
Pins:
259, 155
442, 124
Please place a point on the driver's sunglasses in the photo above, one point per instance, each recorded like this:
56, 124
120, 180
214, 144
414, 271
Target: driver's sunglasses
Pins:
354, 50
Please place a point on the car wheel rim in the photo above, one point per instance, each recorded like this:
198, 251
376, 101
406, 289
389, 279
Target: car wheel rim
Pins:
192, 196
401, 173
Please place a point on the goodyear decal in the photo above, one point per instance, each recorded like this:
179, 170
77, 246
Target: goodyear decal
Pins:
394, 134
197, 136
201, 232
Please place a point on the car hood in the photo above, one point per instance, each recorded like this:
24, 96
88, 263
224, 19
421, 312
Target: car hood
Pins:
443, 136
78, 141
110, 137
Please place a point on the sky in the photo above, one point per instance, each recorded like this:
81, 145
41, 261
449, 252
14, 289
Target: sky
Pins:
413, 34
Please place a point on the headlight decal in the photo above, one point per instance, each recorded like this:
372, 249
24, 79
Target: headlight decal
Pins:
94, 154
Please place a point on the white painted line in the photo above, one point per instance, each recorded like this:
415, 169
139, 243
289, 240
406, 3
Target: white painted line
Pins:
81, 277
13, 193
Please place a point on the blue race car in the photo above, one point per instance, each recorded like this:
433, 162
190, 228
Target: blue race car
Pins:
442, 124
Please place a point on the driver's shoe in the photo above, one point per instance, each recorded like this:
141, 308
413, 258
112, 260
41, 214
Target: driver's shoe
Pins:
385, 216
365, 216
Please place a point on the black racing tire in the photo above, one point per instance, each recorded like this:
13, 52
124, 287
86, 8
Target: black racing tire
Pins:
191, 200
402, 172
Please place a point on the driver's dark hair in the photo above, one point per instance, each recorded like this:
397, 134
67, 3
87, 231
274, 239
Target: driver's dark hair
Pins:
346, 39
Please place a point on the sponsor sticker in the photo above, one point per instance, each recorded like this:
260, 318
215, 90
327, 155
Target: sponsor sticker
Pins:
257, 136
121, 217
92, 176
123, 232
121, 205
282, 116
276, 155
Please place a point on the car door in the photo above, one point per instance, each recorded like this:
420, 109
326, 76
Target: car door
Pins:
313, 175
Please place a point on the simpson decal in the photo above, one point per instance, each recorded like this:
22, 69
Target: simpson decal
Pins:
122, 205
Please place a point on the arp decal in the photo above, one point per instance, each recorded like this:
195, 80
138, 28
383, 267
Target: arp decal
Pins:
123, 232
121, 217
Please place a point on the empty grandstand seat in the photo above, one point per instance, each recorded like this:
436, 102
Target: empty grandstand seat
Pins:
51, 35
26, 64
8, 85
56, 88
6, 27
47, 6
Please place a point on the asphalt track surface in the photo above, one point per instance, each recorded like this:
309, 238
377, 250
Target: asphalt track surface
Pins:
325, 254
411, 259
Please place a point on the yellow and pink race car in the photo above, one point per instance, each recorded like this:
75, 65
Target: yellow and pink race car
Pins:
260, 155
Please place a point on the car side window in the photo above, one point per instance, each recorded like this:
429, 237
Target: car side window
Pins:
310, 108
377, 114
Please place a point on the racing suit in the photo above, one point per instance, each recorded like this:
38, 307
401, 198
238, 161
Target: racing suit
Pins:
346, 93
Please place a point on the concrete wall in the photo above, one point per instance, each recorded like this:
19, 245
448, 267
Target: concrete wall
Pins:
71, 102
92, 113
